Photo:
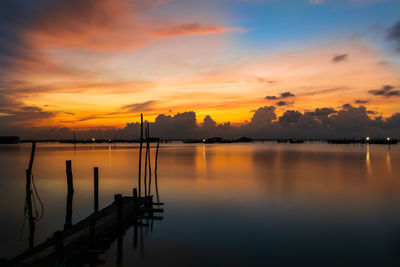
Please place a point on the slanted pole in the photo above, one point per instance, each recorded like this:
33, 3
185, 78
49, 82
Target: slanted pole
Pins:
96, 189
70, 194
140, 153
28, 196
148, 148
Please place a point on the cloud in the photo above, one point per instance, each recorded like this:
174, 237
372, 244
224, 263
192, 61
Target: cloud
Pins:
284, 103
361, 101
263, 115
386, 90
290, 116
181, 125
23, 116
282, 96
29, 30
322, 112
192, 29
324, 91
209, 122
138, 107
347, 122
340, 58
393, 34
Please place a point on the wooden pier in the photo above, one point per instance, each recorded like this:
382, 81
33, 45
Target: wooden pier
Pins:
76, 243
92, 235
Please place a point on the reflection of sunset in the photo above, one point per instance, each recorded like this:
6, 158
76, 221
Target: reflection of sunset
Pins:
256, 183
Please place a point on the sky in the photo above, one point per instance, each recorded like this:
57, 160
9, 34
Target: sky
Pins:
95, 65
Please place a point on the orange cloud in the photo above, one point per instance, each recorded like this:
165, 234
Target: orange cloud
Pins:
192, 29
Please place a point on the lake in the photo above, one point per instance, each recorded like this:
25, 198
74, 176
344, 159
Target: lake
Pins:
225, 204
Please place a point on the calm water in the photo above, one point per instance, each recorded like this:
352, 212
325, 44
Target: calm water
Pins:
226, 204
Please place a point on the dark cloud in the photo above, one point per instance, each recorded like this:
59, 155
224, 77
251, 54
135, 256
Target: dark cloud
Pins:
393, 122
263, 115
209, 122
290, 117
340, 58
281, 103
372, 112
282, 96
181, 125
394, 34
346, 122
14, 112
386, 90
137, 107
284, 103
287, 94
347, 107
322, 112
21, 119
360, 101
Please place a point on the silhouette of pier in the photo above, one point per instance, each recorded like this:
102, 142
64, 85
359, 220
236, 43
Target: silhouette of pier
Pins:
80, 243
93, 235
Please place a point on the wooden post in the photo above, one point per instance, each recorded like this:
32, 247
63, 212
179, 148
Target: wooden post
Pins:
135, 234
145, 167
148, 148
140, 153
28, 203
118, 202
155, 171
59, 248
96, 189
135, 224
70, 194
134, 201
120, 249
92, 229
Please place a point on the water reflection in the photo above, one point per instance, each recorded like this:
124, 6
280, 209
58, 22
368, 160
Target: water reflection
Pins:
368, 162
388, 163
230, 204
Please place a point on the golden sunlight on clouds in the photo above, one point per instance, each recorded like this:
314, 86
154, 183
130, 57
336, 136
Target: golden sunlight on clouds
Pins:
101, 63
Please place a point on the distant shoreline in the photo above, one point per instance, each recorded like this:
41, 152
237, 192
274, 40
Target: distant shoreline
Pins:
218, 140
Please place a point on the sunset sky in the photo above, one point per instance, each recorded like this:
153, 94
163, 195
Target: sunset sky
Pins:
99, 63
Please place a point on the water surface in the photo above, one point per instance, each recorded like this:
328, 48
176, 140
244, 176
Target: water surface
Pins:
226, 204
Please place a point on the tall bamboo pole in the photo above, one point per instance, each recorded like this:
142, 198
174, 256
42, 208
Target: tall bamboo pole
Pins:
155, 170
145, 167
28, 196
148, 148
140, 153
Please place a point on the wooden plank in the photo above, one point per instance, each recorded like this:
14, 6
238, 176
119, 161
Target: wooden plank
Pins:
79, 238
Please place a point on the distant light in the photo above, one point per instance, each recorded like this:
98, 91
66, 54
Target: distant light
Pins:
367, 138
109, 140
204, 140
93, 139
388, 139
